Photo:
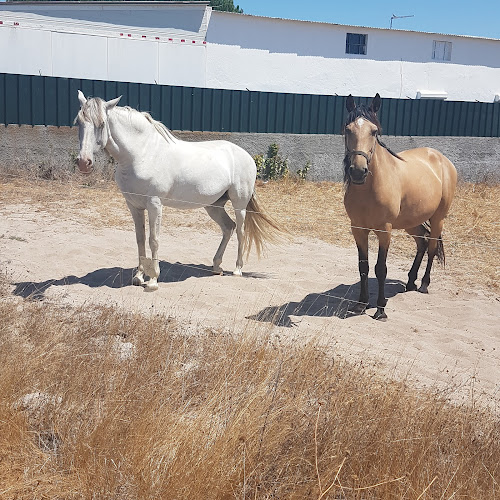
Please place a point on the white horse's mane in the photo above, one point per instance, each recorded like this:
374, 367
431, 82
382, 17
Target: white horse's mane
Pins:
160, 128
93, 111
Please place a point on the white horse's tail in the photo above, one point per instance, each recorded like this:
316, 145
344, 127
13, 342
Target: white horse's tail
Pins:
260, 228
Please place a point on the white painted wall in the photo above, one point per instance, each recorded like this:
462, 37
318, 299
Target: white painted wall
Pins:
328, 40
72, 52
142, 43
302, 57
232, 67
28, 53
148, 45
189, 20
180, 63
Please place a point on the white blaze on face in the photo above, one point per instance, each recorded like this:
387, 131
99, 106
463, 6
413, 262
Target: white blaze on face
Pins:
359, 122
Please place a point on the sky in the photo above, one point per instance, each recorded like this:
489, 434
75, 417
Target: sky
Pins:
454, 17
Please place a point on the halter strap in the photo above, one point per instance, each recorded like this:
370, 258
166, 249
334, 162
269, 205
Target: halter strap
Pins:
368, 155
360, 153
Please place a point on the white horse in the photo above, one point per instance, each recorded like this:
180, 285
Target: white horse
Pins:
155, 168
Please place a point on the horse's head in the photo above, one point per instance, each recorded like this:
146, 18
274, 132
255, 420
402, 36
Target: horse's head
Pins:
93, 128
361, 132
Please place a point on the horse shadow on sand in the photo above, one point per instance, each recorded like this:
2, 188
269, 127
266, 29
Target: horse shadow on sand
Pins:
338, 302
118, 277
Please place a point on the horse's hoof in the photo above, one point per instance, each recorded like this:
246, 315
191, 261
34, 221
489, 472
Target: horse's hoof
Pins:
237, 272
380, 315
411, 287
137, 281
218, 272
151, 287
423, 289
359, 308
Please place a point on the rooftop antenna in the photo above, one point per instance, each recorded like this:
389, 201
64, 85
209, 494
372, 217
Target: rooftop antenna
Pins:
398, 17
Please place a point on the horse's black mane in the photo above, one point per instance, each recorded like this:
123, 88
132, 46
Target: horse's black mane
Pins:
362, 111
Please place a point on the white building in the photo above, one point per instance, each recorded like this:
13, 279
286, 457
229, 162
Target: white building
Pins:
188, 44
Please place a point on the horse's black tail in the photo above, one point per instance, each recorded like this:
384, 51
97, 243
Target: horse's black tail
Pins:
440, 251
426, 227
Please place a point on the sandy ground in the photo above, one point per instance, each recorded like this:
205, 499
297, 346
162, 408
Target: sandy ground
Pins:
448, 340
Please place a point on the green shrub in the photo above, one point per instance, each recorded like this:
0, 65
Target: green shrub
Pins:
302, 172
273, 166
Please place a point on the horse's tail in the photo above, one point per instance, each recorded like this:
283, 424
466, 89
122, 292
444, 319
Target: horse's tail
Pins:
259, 228
440, 251
440, 247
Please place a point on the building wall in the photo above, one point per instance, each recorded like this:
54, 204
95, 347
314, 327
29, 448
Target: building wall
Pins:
241, 52
290, 56
146, 44
328, 40
255, 69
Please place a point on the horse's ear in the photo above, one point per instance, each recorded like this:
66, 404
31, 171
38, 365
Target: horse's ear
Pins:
376, 101
81, 98
111, 104
350, 104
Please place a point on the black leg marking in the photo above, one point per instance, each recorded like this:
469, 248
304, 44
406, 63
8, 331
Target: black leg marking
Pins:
363, 275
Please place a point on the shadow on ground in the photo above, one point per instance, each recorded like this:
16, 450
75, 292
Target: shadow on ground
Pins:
337, 302
118, 277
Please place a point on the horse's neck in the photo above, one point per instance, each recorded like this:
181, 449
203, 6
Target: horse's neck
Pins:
382, 162
128, 141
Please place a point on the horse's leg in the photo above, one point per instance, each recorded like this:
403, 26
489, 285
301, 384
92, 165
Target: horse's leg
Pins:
384, 240
419, 234
227, 225
240, 215
154, 215
140, 236
361, 238
436, 230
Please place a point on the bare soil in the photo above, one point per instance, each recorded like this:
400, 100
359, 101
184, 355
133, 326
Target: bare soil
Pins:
72, 245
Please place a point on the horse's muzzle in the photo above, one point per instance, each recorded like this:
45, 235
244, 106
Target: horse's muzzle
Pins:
358, 175
85, 165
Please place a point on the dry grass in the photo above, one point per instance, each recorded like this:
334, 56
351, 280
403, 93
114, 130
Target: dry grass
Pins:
131, 407
471, 236
306, 209
213, 416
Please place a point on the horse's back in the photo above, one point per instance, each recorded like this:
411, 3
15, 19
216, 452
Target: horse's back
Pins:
221, 154
418, 160
192, 174
428, 170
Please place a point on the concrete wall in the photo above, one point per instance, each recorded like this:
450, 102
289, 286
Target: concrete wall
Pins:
51, 151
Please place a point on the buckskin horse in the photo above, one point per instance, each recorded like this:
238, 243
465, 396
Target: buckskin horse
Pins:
411, 190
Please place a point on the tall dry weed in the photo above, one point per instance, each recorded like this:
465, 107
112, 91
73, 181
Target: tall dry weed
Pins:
97, 403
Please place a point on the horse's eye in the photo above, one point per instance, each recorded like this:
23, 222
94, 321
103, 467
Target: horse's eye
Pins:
374, 133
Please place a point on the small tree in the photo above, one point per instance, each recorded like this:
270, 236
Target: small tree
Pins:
225, 5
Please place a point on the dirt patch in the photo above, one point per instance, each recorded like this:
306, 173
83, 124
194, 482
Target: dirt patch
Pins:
74, 245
